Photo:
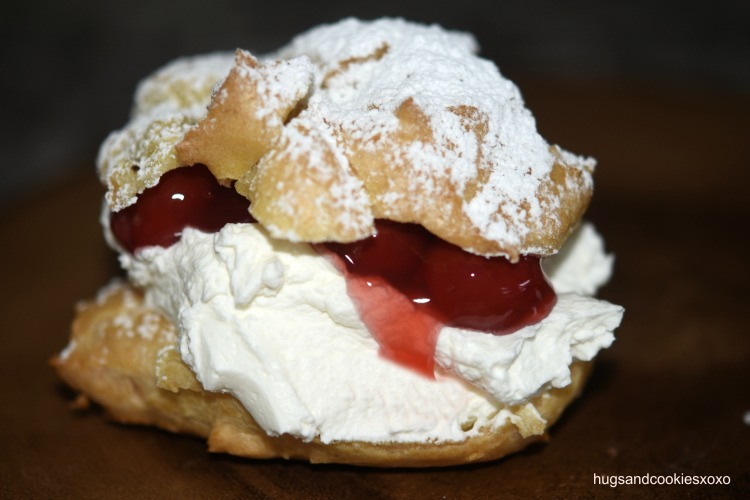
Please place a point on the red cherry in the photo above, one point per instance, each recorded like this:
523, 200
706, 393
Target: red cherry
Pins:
407, 283
394, 252
489, 294
184, 197
406, 334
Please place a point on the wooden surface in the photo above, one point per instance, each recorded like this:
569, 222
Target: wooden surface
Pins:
668, 398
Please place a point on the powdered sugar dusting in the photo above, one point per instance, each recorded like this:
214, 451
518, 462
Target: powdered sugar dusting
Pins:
167, 105
481, 133
277, 83
181, 84
307, 175
132, 319
134, 158
434, 133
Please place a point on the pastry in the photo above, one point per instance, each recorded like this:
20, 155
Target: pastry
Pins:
334, 253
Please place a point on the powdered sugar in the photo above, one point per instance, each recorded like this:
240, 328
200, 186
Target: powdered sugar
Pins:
277, 83
181, 84
140, 153
394, 94
480, 129
166, 106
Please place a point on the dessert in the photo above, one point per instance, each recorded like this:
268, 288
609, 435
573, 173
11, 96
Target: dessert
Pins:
334, 252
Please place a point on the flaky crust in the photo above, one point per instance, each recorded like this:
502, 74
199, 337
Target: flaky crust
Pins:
124, 356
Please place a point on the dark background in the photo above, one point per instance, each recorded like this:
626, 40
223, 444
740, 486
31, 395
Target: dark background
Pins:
70, 67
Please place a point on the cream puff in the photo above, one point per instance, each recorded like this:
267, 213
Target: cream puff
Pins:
357, 249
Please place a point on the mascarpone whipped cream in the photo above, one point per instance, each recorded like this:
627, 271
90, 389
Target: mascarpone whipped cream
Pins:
270, 322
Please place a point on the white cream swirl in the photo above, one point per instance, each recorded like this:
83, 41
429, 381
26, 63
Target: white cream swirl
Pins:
270, 322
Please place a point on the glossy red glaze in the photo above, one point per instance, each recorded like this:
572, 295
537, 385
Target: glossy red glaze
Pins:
489, 294
407, 284
184, 197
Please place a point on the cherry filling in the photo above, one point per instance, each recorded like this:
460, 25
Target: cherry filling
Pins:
406, 283
184, 197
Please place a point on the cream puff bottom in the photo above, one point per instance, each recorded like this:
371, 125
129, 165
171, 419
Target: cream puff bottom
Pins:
124, 356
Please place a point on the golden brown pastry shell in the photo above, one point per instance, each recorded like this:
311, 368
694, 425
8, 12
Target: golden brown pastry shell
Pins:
124, 357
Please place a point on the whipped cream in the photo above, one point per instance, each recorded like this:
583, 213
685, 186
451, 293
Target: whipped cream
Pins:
270, 322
